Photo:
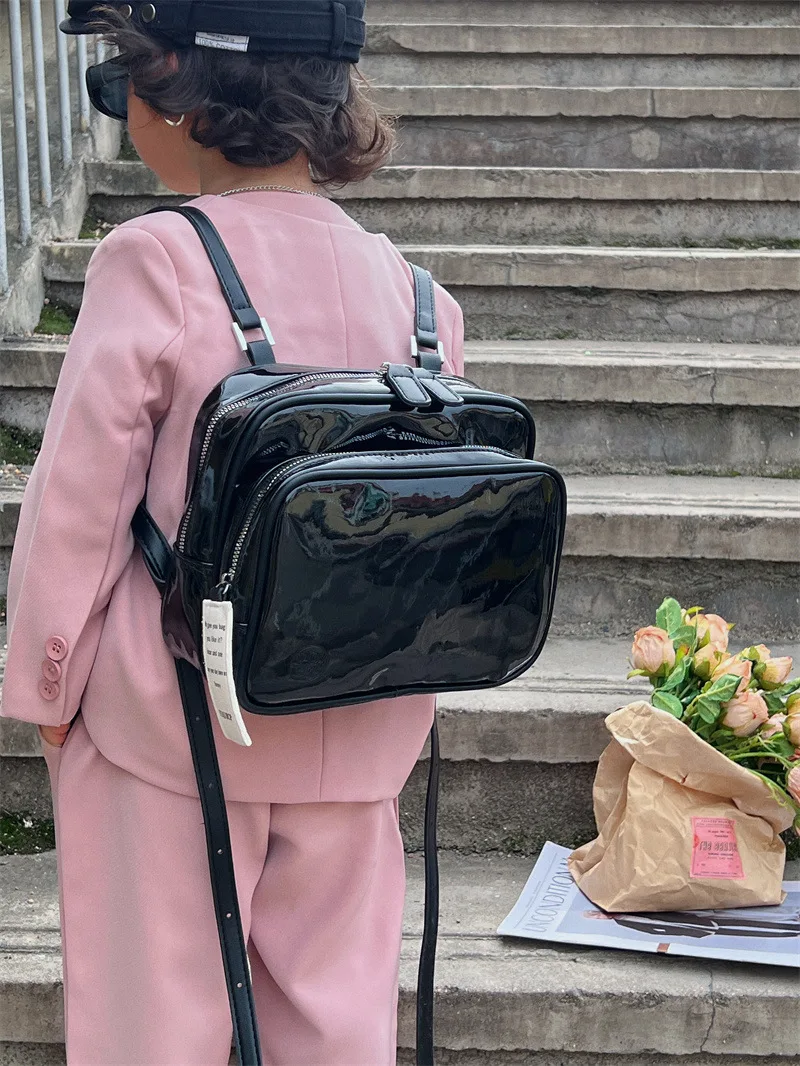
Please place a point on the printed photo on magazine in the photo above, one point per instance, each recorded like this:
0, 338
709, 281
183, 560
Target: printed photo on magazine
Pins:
551, 907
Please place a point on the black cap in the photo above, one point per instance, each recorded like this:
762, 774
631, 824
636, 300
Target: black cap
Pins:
331, 28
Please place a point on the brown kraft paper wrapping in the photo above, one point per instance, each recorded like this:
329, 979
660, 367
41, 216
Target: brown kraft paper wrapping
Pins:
681, 827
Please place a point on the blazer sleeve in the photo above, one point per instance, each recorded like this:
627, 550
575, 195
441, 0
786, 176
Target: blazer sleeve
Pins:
73, 538
454, 344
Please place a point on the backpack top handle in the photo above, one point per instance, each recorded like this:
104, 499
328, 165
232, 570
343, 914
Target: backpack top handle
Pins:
426, 348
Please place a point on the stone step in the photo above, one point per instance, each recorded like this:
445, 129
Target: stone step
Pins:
536, 292
506, 205
630, 539
605, 409
606, 126
582, 12
518, 761
442, 100
498, 1000
569, 55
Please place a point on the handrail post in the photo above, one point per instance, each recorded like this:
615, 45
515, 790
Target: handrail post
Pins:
40, 89
20, 120
64, 106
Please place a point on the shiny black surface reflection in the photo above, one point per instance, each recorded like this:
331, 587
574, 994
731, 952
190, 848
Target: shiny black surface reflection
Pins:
375, 585
261, 417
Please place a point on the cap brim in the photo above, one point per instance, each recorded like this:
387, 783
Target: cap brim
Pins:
76, 27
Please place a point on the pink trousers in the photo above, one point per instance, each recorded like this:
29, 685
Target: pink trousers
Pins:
321, 889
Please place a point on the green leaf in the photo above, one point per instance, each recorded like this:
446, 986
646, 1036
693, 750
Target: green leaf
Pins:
637, 673
707, 709
677, 677
692, 611
665, 701
724, 688
684, 635
774, 703
669, 615
788, 688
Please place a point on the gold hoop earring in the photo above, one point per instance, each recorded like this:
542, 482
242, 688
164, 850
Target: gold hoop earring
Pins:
173, 123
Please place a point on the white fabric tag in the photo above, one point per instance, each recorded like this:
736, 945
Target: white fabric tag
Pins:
218, 657
231, 42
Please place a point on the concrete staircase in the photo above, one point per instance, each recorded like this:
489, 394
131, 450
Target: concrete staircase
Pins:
611, 190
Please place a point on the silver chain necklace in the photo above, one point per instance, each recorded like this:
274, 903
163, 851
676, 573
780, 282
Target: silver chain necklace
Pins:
273, 188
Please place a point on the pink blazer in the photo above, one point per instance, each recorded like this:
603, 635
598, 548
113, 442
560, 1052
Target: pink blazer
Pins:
152, 340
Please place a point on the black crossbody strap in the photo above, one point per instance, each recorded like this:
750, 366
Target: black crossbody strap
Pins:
223, 880
220, 862
427, 349
245, 316
426, 983
156, 552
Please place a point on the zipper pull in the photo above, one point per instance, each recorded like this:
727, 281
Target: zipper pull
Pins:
404, 385
223, 589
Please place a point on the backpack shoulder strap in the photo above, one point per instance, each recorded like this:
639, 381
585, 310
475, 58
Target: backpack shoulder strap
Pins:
426, 348
245, 316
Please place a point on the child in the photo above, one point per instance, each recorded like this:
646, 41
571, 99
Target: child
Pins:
255, 107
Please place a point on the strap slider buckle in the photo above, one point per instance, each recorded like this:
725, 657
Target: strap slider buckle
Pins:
240, 337
415, 350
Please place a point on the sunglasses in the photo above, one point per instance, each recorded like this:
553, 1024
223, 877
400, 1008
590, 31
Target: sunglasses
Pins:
108, 88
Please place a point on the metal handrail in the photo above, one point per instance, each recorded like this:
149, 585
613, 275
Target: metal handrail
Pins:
65, 70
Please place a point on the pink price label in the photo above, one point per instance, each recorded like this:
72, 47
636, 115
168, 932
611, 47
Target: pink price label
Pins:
715, 853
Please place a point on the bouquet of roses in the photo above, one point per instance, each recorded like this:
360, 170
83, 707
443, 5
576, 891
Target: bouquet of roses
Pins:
742, 704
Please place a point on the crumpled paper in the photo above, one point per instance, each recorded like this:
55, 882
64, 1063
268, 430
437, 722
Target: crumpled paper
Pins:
681, 827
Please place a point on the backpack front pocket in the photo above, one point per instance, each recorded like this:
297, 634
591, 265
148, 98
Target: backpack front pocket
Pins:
364, 576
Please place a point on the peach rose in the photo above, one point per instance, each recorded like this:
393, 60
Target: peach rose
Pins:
652, 650
775, 672
745, 713
791, 729
761, 651
742, 668
705, 661
793, 783
713, 627
773, 726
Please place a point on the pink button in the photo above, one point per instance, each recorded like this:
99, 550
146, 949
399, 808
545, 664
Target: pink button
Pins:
56, 648
49, 690
51, 670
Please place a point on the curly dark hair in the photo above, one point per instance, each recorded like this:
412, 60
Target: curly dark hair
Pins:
260, 111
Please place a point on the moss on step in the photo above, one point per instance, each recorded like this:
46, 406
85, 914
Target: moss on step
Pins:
18, 447
22, 835
94, 229
127, 152
56, 320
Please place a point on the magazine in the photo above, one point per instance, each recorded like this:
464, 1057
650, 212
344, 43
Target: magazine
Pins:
551, 907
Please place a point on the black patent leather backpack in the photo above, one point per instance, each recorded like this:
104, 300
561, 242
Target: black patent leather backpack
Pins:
349, 536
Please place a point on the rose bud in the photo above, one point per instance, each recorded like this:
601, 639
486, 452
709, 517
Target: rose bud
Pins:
715, 628
772, 673
761, 652
652, 650
705, 661
773, 726
745, 714
791, 730
793, 703
793, 783
742, 668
